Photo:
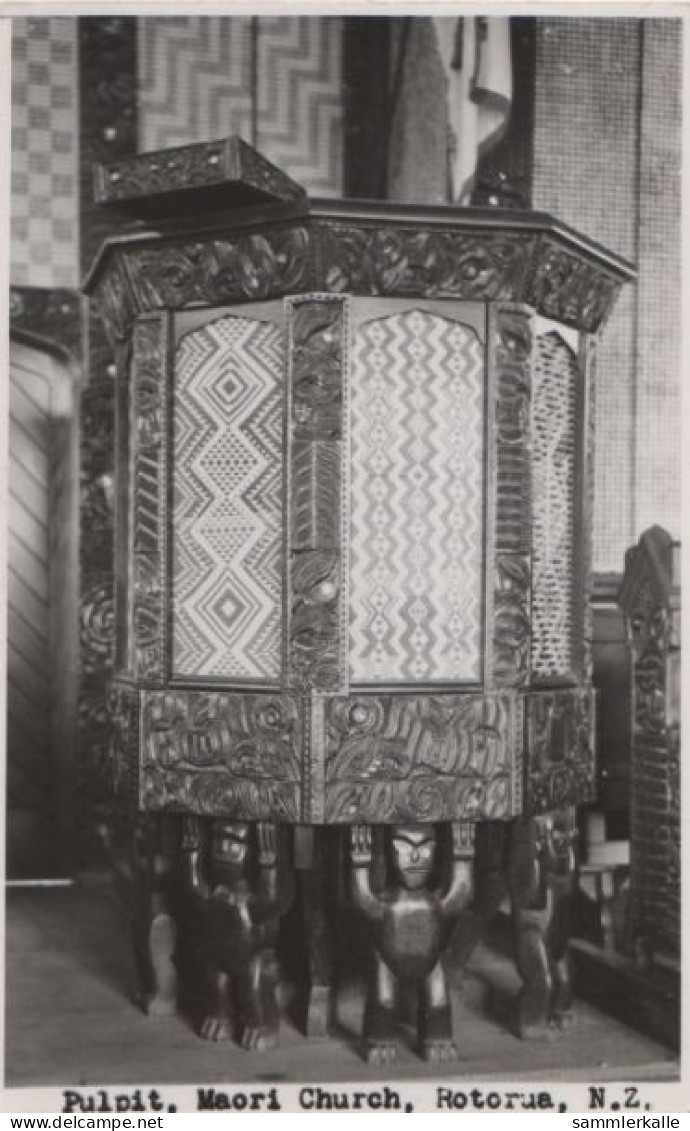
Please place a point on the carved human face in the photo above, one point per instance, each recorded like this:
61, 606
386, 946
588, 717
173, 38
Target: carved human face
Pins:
229, 847
413, 854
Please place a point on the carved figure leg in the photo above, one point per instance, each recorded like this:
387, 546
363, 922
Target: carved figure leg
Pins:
257, 986
312, 864
531, 913
435, 1027
561, 879
155, 931
380, 1028
215, 1015
540, 875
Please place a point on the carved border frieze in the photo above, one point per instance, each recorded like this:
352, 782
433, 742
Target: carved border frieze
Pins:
560, 759
569, 289
423, 262
221, 754
220, 269
583, 612
422, 757
316, 597
362, 256
222, 163
123, 709
510, 353
148, 512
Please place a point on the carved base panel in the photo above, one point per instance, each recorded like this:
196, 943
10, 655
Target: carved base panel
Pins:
559, 749
422, 758
368, 758
217, 753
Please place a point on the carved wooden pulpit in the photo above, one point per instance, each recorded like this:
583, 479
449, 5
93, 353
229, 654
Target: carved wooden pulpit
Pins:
354, 487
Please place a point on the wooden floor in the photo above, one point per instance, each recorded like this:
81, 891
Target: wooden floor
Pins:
71, 1020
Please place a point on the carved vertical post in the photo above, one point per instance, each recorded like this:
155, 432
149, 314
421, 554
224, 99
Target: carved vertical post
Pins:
540, 877
155, 933
312, 867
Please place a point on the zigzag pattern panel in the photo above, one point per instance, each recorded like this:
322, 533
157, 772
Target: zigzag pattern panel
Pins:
300, 100
554, 419
416, 513
194, 79
195, 84
227, 509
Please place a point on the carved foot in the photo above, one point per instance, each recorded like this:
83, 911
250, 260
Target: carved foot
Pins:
159, 1005
439, 1051
215, 1027
318, 1013
565, 1019
381, 1053
161, 999
540, 1021
538, 1031
258, 1038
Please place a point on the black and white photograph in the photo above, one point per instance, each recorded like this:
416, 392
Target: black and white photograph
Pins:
343, 559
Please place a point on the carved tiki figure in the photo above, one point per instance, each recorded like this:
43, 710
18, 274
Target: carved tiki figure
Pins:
410, 926
235, 928
540, 875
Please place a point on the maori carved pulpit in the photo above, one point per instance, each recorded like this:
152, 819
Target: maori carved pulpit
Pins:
353, 515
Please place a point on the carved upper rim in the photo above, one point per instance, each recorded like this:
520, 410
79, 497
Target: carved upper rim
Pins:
317, 213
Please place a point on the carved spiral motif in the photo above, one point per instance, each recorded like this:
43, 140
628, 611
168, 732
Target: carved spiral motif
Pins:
97, 625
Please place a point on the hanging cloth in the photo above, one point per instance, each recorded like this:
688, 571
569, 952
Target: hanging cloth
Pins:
475, 53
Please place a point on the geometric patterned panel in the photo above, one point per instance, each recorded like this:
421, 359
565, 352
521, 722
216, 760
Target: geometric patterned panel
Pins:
196, 84
555, 388
416, 531
29, 676
300, 99
227, 508
44, 201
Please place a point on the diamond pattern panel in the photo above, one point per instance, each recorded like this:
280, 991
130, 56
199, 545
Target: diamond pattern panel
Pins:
227, 512
554, 423
416, 511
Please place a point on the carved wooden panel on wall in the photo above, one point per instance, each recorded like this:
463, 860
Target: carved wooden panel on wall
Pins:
650, 598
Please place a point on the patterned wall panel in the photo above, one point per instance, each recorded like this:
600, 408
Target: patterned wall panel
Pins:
276, 81
29, 761
227, 511
585, 152
607, 127
659, 409
44, 153
416, 519
554, 407
41, 597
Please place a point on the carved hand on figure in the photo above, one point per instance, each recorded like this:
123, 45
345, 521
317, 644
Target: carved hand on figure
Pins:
463, 840
360, 846
268, 844
191, 834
